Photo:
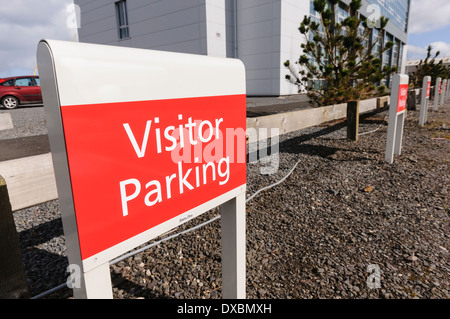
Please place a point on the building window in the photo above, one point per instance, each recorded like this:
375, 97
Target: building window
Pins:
122, 19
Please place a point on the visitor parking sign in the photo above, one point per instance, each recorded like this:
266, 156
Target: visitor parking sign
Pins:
138, 168
143, 141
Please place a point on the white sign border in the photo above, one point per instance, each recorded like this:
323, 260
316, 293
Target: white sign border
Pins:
96, 280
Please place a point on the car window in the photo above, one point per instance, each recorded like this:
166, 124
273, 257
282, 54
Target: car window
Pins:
24, 82
38, 82
7, 83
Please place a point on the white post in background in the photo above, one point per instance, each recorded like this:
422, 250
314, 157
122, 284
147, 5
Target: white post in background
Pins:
448, 90
233, 248
444, 92
437, 88
397, 112
424, 103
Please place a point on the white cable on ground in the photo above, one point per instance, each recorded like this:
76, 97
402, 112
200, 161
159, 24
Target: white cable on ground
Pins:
274, 184
48, 292
132, 253
360, 134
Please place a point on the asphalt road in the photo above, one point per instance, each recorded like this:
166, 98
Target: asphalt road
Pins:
23, 147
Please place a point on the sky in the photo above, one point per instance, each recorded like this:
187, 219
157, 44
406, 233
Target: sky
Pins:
24, 22
429, 24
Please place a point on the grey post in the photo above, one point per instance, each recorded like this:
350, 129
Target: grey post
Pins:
233, 248
436, 93
424, 101
444, 92
448, 89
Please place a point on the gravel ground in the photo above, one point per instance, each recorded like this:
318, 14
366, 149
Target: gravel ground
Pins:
27, 121
342, 210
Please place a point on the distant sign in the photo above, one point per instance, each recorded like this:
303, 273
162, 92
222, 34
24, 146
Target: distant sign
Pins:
425, 96
402, 97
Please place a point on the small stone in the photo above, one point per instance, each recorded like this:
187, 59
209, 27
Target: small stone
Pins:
369, 189
412, 258
319, 270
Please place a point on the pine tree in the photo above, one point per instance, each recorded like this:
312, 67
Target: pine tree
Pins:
340, 54
429, 67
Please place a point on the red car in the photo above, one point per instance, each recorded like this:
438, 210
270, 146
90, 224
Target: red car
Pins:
18, 90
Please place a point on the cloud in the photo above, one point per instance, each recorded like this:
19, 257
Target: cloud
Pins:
417, 53
443, 47
23, 23
429, 15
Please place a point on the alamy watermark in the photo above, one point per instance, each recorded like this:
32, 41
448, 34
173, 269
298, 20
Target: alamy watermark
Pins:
74, 279
374, 279
73, 20
374, 16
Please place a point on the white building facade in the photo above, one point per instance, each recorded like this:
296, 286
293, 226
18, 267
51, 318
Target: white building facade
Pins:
263, 34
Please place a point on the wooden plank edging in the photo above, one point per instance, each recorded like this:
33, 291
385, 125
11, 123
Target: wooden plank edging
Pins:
297, 120
30, 180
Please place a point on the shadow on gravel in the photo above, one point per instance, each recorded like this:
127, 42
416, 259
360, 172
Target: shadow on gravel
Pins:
296, 145
48, 267
40, 263
120, 282
41, 233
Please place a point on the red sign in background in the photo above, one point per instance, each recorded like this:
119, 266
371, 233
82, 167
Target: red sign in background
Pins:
102, 160
428, 88
402, 97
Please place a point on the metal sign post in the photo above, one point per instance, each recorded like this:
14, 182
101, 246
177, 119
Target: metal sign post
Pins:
397, 113
448, 90
143, 141
426, 88
437, 92
444, 92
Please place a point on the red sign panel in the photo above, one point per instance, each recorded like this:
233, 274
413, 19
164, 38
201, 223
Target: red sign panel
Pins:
402, 97
428, 89
135, 165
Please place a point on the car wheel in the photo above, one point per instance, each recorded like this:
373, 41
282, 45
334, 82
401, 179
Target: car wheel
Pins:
10, 102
